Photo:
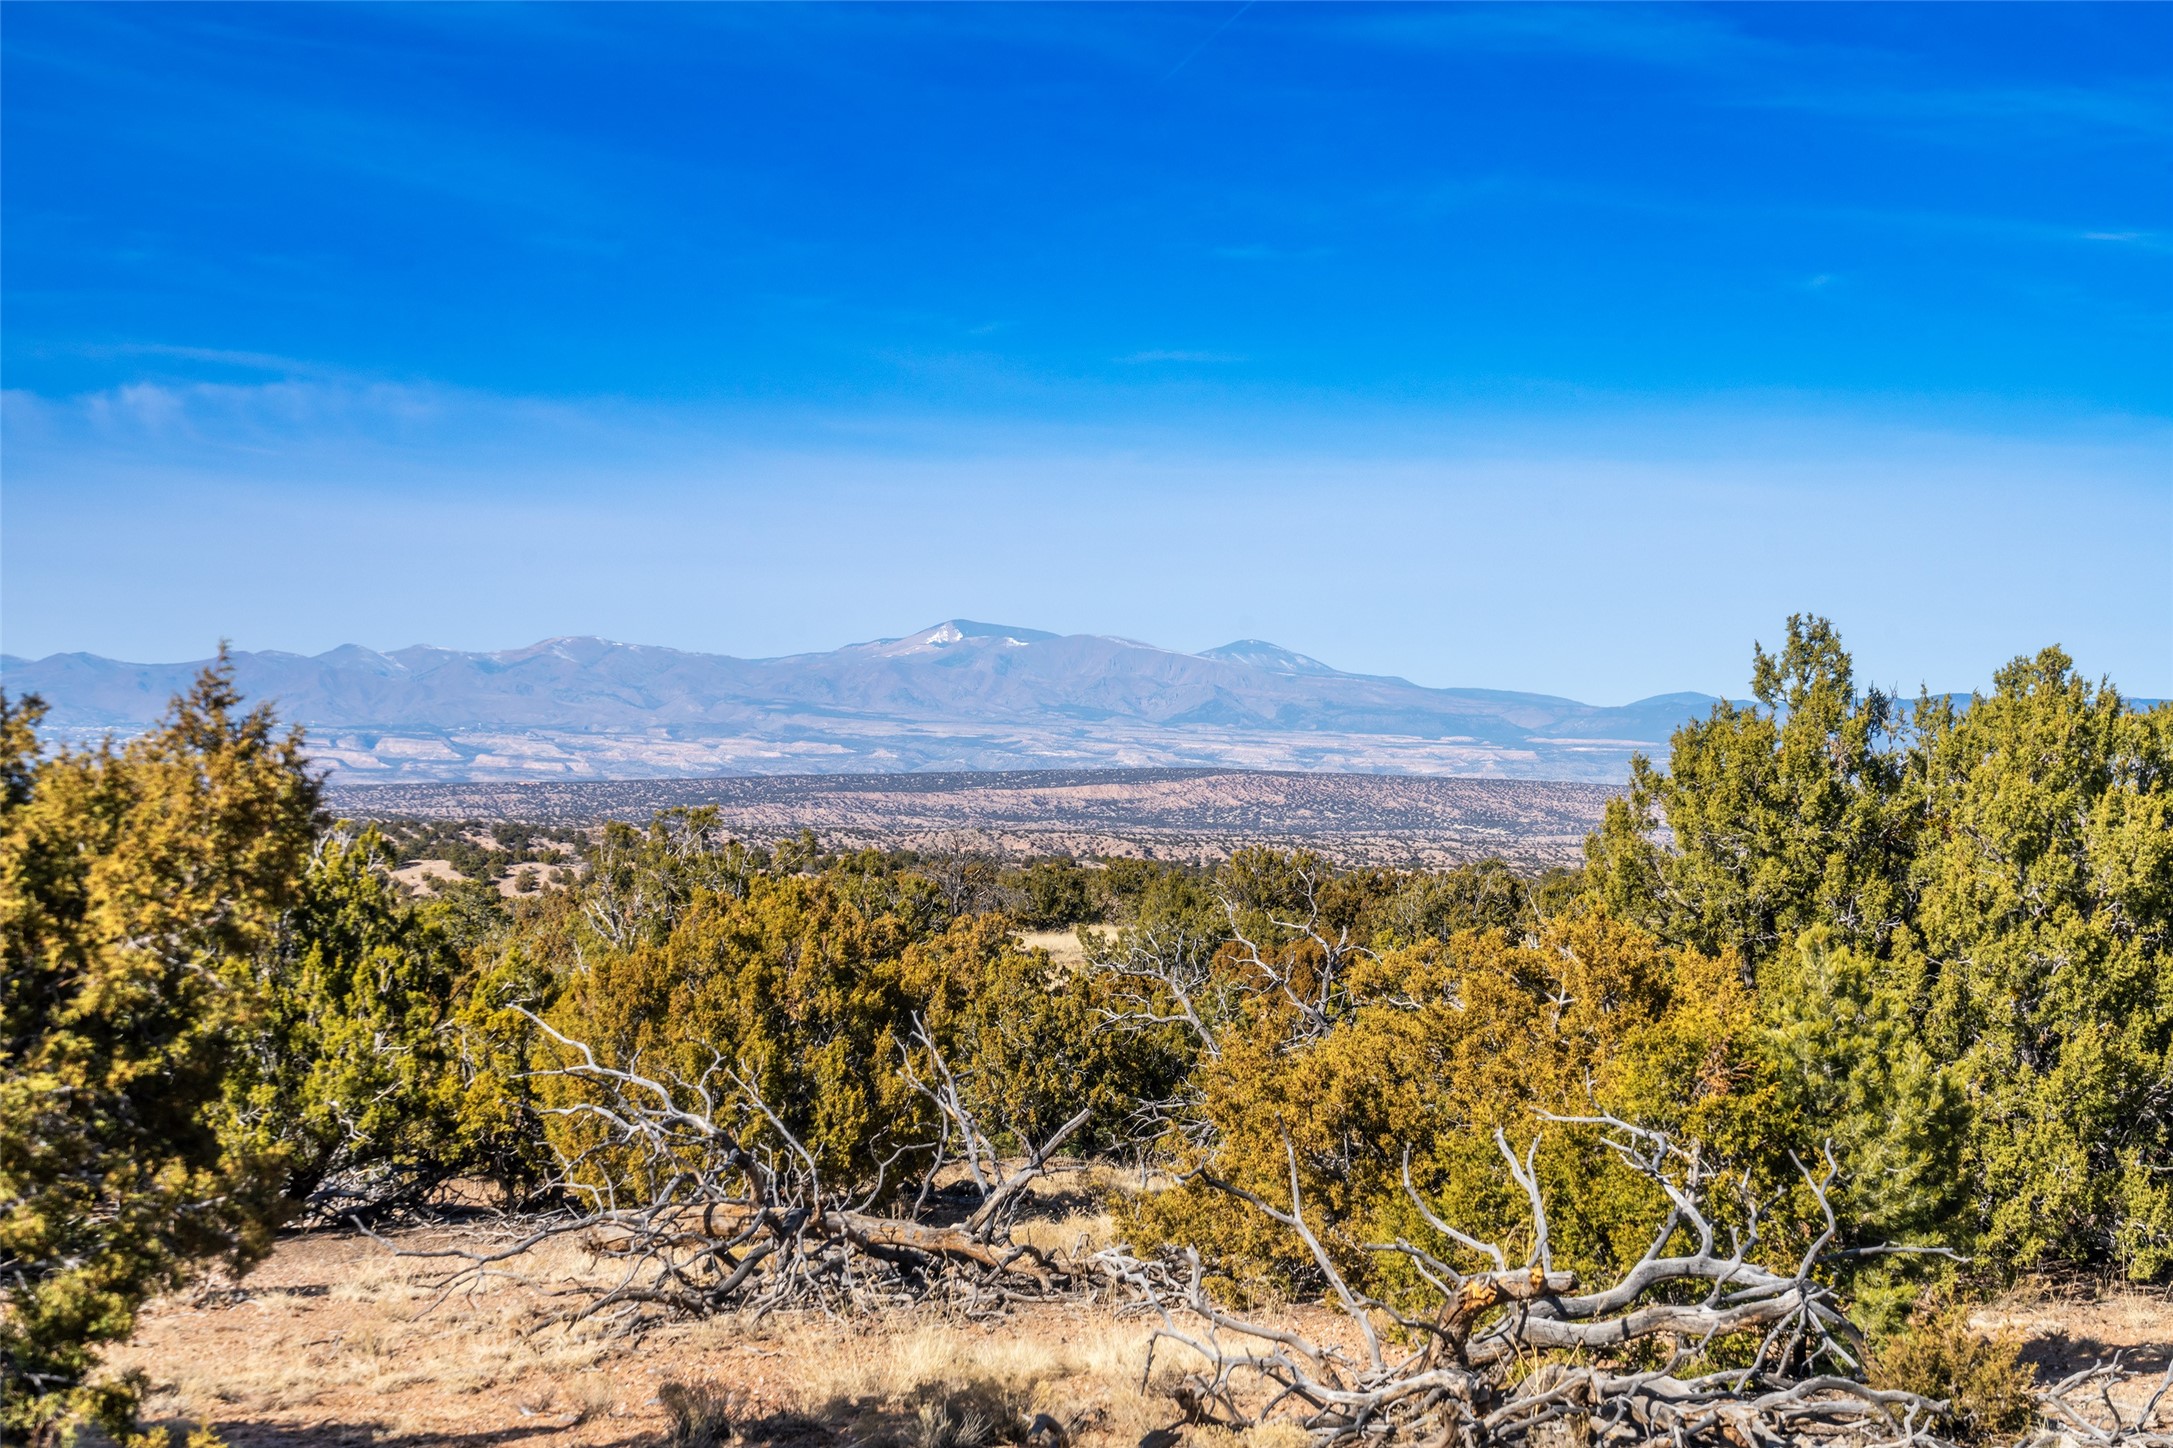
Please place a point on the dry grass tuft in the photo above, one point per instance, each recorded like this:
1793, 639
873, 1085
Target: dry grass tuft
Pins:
1074, 1235
1279, 1434
971, 1421
955, 1385
700, 1413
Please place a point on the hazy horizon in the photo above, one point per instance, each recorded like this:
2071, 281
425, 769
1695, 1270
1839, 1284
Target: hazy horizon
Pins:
1738, 691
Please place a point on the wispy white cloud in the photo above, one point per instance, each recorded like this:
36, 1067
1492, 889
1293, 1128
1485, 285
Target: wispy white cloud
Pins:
1977, 116
1163, 354
1672, 37
2154, 241
1744, 69
247, 416
214, 356
431, 150
400, 436
1261, 251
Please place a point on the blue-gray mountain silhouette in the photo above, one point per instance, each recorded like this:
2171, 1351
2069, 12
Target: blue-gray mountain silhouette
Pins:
958, 694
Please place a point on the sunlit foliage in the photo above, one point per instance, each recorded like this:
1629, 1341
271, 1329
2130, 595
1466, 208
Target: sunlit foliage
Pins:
139, 886
1958, 923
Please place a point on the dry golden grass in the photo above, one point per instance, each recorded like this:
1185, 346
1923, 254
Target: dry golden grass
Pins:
1082, 1369
2068, 1325
334, 1322
335, 1339
1063, 945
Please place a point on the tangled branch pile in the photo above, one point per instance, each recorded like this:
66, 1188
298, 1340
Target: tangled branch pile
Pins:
701, 1222
1693, 1344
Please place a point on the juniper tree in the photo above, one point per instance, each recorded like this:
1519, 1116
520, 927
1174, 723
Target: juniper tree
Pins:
1783, 814
2046, 911
138, 884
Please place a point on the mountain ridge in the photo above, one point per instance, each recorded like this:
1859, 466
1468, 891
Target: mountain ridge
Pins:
957, 694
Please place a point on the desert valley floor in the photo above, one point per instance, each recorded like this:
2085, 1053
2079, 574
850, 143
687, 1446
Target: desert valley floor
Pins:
1181, 814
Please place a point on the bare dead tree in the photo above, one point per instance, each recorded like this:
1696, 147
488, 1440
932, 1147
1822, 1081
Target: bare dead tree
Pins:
1166, 976
966, 867
1000, 1195
1169, 974
697, 1221
643, 879
1458, 1369
1306, 972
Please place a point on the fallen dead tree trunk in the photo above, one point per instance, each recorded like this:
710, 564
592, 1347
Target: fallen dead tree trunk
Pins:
718, 1224
1461, 1372
863, 1231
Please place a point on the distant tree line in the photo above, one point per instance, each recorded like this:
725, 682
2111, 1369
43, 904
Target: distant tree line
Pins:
1930, 938
483, 849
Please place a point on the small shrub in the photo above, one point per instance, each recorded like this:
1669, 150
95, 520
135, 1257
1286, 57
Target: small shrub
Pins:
201, 1436
593, 1400
700, 1413
1988, 1390
977, 1417
948, 1425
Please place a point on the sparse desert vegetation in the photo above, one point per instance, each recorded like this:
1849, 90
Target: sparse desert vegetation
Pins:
335, 1337
990, 725
1762, 1126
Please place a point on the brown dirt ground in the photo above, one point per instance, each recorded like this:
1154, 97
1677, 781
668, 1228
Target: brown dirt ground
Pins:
2067, 1327
335, 1340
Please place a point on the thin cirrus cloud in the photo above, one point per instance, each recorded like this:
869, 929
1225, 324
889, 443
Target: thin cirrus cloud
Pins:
319, 423
1666, 36
216, 417
215, 356
1864, 80
1165, 354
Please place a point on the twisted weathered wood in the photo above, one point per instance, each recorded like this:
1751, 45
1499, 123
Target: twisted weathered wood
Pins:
1462, 1381
718, 1224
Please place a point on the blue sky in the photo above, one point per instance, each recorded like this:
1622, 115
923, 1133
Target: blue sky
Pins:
1537, 347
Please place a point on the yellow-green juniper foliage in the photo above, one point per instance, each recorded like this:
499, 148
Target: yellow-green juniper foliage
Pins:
138, 886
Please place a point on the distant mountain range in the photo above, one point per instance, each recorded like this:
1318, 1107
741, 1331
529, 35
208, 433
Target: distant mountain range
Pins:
960, 695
